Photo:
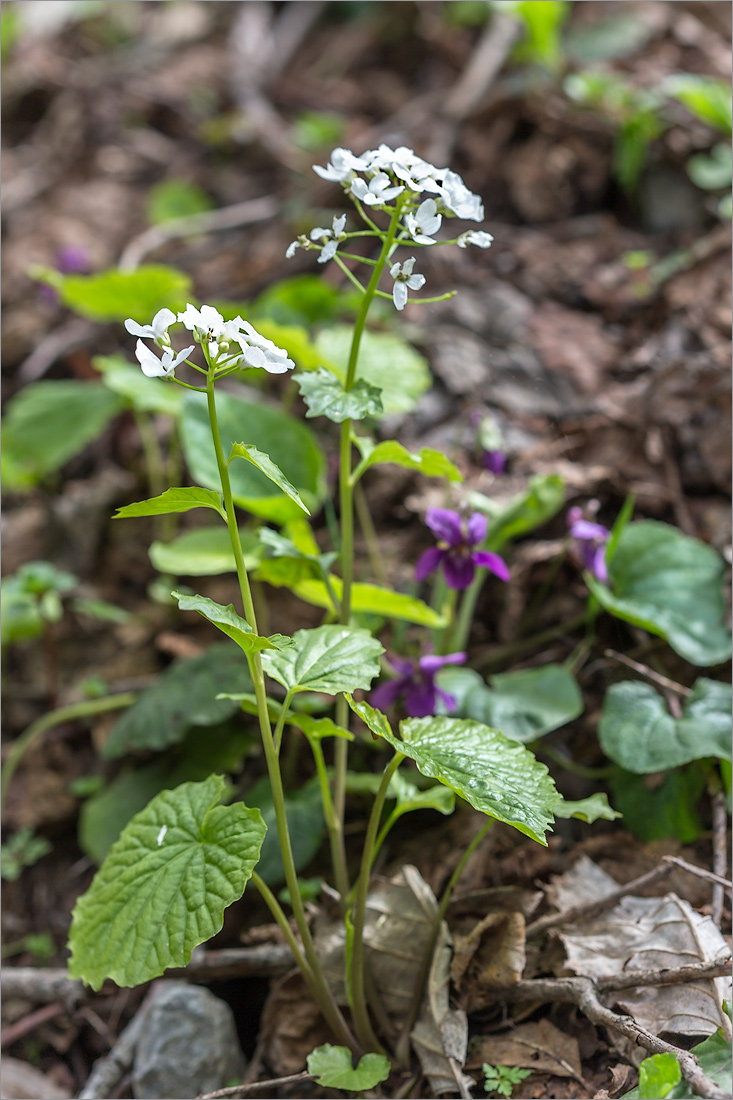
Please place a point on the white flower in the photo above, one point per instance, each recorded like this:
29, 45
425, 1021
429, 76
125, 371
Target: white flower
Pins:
475, 236
330, 237
424, 222
206, 321
376, 191
458, 200
290, 250
257, 351
342, 165
403, 277
157, 330
153, 367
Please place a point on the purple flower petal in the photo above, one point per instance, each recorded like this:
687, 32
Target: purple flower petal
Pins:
598, 566
385, 695
584, 530
404, 665
492, 562
495, 461
420, 699
445, 525
449, 701
477, 528
458, 569
428, 562
432, 663
574, 514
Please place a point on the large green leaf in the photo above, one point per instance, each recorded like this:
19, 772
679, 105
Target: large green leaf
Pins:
329, 659
541, 500
655, 811
304, 811
385, 361
371, 599
494, 774
638, 732
116, 295
324, 395
164, 886
173, 500
714, 1056
230, 623
183, 696
671, 585
289, 443
524, 705
47, 423
333, 1069
426, 461
141, 393
204, 552
264, 463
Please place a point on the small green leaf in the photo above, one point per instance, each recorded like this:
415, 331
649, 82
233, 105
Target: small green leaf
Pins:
410, 797
385, 361
204, 552
230, 623
176, 198
174, 500
427, 461
671, 585
324, 395
593, 808
712, 172
315, 729
115, 295
304, 300
658, 1075
328, 659
264, 463
141, 393
377, 722
638, 732
705, 96
371, 599
164, 886
333, 1069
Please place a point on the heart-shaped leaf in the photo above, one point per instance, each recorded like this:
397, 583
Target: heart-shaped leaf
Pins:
230, 623
329, 659
638, 732
427, 461
264, 463
324, 395
164, 885
174, 500
333, 1069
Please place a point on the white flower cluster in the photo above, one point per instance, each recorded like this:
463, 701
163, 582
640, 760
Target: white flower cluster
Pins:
229, 343
330, 239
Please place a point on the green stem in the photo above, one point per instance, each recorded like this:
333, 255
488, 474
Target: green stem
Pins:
332, 821
449, 609
278, 736
362, 1022
384, 831
84, 709
465, 612
284, 925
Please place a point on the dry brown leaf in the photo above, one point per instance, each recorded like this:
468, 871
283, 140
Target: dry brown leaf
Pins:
291, 1026
539, 1046
440, 1035
491, 954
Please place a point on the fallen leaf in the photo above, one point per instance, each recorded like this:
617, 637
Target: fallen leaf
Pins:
21, 1081
440, 1035
541, 1047
291, 1026
491, 954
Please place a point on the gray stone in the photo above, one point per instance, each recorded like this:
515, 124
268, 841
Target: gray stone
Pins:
189, 1045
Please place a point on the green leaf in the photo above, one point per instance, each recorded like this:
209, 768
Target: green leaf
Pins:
176, 198
385, 361
264, 463
47, 423
174, 500
204, 552
230, 623
427, 461
329, 659
494, 774
714, 1056
324, 395
658, 1075
705, 96
140, 393
617, 36
183, 696
22, 849
671, 585
410, 797
712, 172
524, 705
288, 442
377, 722
653, 812
304, 811
593, 808
116, 295
164, 886
333, 1069
541, 500
315, 729
638, 732
543, 23
299, 300
371, 599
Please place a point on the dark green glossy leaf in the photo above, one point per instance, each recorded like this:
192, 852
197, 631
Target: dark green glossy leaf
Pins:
329, 659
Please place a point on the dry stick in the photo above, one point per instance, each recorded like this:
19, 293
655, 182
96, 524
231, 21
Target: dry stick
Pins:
42, 984
69, 336
236, 1091
265, 960
582, 993
29, 1023
720, 852
671, 975
699, 872
649, 673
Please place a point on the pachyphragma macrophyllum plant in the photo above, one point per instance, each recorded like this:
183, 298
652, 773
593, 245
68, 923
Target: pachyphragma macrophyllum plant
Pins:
166, 882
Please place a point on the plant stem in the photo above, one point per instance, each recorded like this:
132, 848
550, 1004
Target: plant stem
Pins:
281, 721
284, 925
362, 1022
370, 535
332, 822
466, 610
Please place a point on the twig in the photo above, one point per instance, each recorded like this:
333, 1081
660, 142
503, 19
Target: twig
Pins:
699, 872
720, 852
255, 1086
41, 985
582, 993
72, 335
264, 960
672, 975
649, 673
13, 1032
108, 1071
593, 908
227, 217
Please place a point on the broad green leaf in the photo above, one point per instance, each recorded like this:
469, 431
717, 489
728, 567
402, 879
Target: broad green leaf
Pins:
264, 463
116, 295
204, 552
541, 500
385, 361
593, 808
638, 732
103, 816
671, 585
543, 23
658, 1075
301, 300
371, 599
141, 393
328, 659
333, 1069
524, 705
174, 500
714, 1056
410, 797
494, 774
653, 812
427, 461
304, 812
175, 198
324, 395
315, 729
288, 442
183, 696
47, 423
164, 886
21, 618
230, 623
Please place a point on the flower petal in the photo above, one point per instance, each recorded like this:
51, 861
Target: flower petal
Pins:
428, 562
432, 663
385, 695
399, 295
492, 562
458, 569
445, 524
477, 528
420, 699
586, 529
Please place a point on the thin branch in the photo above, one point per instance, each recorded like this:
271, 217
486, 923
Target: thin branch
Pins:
237, 1091
42, 985
671, 975
720, 852
699, 872
649, 673
593, 908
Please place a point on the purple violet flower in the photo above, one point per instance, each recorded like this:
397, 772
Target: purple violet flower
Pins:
416, 683
591, 538
495, 461
456, 551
